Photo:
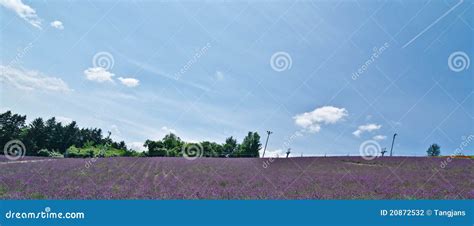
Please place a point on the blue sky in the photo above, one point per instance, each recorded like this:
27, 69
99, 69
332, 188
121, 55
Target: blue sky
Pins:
342, 72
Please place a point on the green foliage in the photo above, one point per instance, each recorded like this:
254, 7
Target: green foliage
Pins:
97, 151
46, 153
11, 126
434, 150
172, 146
229, 147
250, 145
211, 149
51, 138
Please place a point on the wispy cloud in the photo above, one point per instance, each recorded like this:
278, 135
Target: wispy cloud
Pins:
379, 137
313, 120
24, 11
31, 80
366, 128
152, 69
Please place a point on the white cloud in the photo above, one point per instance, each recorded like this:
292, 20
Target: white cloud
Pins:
168, 130
98, 74
137, 146
4, 109
31, 80
130, 82
273, 153
22, 10
312, 121
379, 137
366, 128
114, 130
57, 24
63, 120
219, 75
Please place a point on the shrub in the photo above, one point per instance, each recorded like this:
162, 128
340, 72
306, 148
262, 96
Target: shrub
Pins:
434, 150
46, 153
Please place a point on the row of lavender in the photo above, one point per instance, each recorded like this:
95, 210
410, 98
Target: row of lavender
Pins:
207, 178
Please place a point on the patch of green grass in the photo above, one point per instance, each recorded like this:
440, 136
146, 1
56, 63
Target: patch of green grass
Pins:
3, 192
37, 195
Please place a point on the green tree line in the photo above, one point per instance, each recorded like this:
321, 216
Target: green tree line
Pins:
53, 138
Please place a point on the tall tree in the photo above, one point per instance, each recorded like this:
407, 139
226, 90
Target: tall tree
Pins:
35, 137
250, 145
69, 136
155, 148
171, 141
11, 126
229, 147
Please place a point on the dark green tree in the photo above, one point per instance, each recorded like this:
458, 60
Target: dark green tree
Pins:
211, 149
69, 136
119, 145
11, 126
155, 148
171, 141
250, 145
35, 137
434, 150
229, 147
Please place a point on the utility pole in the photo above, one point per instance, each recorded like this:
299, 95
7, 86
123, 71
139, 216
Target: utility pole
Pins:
266, 142
288, 152
393, 141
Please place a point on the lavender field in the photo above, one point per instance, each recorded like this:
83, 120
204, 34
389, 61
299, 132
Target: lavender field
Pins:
237, 178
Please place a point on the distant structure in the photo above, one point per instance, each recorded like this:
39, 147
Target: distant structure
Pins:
288, 152
384, 150
266, 142
393, 141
